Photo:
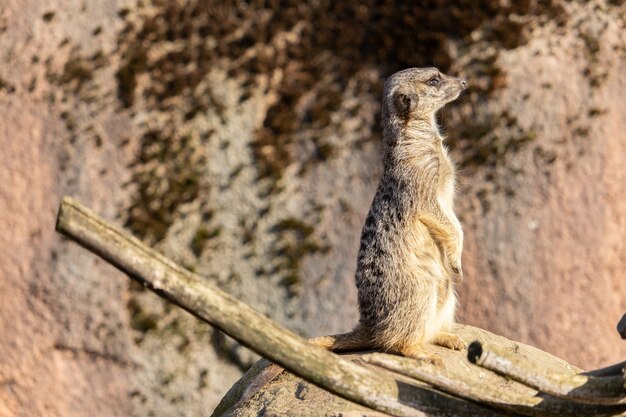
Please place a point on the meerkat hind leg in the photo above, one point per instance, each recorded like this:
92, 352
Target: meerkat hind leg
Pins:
421, 354
449, 340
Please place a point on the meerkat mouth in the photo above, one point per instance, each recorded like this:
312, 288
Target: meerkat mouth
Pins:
453, 95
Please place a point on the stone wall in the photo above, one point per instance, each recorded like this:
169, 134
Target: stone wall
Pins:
242, 140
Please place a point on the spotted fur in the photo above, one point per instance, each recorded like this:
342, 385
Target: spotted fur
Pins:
412, 241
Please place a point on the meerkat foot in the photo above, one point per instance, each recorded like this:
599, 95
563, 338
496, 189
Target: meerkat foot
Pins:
449, 340
422, 355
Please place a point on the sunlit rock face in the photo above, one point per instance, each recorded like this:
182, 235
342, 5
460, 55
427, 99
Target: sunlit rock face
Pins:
243, 141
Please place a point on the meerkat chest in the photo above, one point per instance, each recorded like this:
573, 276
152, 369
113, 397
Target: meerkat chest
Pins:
447, 178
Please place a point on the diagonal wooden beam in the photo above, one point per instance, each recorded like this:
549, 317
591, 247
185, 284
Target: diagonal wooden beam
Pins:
365, 386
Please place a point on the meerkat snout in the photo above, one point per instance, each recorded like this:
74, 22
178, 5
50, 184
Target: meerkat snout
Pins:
453, 86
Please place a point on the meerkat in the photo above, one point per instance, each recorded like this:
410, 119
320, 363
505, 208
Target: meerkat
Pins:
411, 243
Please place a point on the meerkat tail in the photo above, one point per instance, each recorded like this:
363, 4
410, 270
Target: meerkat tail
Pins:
357, 339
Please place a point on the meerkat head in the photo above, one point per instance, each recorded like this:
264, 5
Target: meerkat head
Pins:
417, 93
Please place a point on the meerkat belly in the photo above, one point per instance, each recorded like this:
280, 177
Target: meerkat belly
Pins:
399, 279
447, 306
435, 300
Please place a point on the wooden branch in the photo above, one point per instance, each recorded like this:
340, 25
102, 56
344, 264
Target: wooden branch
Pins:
365, 385
456, 384
578, 387
488, 389
329, 371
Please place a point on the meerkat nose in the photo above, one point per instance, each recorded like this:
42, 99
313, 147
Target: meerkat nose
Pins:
463, 83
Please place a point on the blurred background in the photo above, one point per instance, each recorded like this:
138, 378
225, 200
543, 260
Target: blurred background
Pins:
242, 140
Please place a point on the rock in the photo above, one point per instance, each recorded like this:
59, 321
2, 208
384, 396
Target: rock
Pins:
290, 395
284, 396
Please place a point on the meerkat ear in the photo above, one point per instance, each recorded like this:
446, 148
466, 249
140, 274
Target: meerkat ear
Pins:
405, 103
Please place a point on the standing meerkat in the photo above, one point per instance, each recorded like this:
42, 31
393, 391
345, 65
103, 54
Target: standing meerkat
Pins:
412, 241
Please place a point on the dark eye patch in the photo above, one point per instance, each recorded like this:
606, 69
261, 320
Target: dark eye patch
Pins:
433, 82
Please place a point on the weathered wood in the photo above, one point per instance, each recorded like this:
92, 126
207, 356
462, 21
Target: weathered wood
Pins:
455, 362
577, 387
400, 396
487, 388
327, 370
281, 397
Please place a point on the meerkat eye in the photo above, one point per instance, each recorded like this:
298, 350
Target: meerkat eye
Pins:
433, 81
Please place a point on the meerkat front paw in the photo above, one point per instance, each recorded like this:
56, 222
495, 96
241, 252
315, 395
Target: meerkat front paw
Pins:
449, 340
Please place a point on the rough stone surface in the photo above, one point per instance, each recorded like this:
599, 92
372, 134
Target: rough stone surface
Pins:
242, 140
290, 395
